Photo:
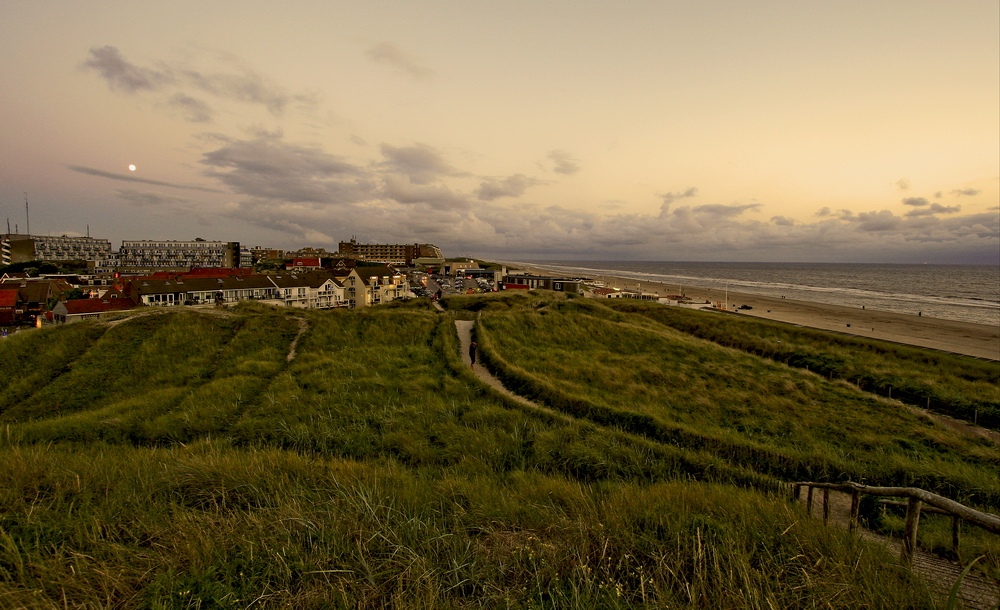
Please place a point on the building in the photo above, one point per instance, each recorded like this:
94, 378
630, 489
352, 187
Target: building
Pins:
150, 255
305, 290
532, 282
389, 254
196, 290
88, 309
366, 286
304, 264
16, 248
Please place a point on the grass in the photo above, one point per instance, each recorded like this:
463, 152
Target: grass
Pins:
213, 526
617, 369
951, 384
190, 464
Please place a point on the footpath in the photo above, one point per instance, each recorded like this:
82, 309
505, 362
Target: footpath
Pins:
977, 591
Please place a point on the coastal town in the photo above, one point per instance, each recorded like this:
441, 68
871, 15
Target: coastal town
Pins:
56, 280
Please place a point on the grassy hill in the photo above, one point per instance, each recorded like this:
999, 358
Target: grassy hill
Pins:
275, 458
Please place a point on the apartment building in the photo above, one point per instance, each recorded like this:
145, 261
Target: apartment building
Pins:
16, 248
389, 254
166, 254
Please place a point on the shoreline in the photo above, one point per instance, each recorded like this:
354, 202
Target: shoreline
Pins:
967, 338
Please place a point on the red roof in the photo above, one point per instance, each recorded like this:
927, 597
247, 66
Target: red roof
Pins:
81, 306
201, 272
8, 298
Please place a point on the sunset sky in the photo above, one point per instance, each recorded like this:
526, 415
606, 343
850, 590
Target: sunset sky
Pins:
648, 130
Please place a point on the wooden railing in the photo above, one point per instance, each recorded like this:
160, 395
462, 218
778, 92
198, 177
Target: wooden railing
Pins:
915, 499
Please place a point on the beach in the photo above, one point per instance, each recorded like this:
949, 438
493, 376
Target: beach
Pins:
978, 340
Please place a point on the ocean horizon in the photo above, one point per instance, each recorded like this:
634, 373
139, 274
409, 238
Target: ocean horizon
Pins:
968, 293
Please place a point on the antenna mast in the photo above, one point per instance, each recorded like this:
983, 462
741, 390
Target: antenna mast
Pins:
27, 218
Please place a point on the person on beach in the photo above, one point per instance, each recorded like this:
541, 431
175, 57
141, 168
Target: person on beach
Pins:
472, 354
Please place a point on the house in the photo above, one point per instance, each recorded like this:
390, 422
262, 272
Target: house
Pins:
300, 265
531, 282
34, 295
291, 289
325, 291
8, 306
230, 289
312, 290
186, 290
366, 286
459, 268
86, 309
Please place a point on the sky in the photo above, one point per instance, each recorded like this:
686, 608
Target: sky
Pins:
717, 130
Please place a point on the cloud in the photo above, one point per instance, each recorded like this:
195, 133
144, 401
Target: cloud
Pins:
122, 75
194, 111
511, 186
246, 86
389, 54
902, 183
669, 198
938, 194
421, 163
438, 197
916, 201
936, 208
147, 198
725, 211
564, 163
877, 221
782, 221
965, 192
268, 168
127, 178
235, 83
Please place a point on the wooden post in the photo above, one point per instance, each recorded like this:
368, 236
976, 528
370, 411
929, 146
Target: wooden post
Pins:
910, 530
855, 508
809, 500
796, 492
956, 523
826, 505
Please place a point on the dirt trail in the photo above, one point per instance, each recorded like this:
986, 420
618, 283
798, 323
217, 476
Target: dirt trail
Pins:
303, 327
464, 328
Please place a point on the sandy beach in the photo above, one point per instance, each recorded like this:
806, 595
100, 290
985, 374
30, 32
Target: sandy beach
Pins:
979, 340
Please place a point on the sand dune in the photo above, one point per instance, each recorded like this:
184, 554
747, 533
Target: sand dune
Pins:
979, 340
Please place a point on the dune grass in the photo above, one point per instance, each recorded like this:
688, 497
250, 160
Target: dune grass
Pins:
213, 526
955, 385
618, 370
202, 468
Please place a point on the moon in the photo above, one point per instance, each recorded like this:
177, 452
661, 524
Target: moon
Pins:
131, 168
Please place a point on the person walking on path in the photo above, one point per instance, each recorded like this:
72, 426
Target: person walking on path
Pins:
472, 354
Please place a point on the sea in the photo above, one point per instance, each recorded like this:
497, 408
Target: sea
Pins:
968, 293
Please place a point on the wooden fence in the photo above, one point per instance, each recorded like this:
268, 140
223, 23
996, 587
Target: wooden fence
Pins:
915, 499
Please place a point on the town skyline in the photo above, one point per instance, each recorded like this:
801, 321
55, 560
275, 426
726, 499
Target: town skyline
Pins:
780, 132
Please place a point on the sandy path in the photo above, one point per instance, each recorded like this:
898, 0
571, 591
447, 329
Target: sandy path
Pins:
464, 328
979, 340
